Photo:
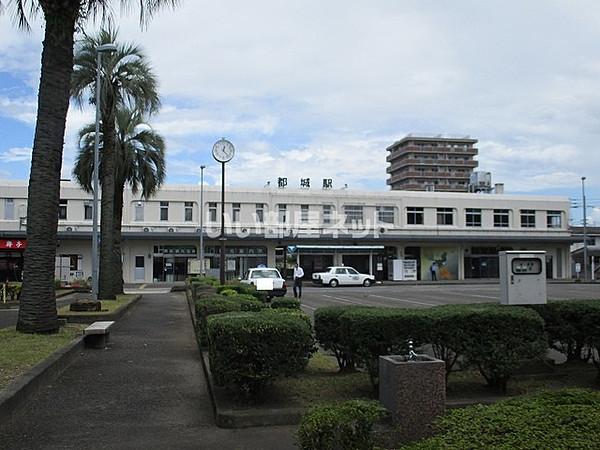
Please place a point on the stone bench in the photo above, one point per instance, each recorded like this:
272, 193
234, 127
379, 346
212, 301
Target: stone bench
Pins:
97, 334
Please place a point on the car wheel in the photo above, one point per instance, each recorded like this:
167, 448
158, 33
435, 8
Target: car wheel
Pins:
367, 283
333, 283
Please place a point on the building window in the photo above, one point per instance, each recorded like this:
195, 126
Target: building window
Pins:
235, 212
9, 208
354, 214
445, 216
385, 214
164, 210
327, 213
139, 212
501, 218
528, 218
88, 208
282, 213
62, 209
554, 219
304, 213
414, 216
260, 212
473, 217
212, 212
188, 212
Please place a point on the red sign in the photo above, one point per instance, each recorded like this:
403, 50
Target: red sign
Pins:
13, 244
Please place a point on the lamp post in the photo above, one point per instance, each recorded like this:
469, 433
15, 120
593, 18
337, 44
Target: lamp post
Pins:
585, 252
105, 48
223, 152
201, 253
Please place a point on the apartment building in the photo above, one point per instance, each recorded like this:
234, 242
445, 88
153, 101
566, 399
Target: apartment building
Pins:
431, 163
462, 232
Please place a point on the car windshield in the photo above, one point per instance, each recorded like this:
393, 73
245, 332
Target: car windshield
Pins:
265, 273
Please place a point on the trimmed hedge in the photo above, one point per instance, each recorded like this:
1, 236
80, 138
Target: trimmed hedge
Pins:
328, 333
286, 303
591, 324
566, 419
244, 289
371, 332
218, 304
494, 338
227, 292
208, 280
249, 350
565, 326
344, 426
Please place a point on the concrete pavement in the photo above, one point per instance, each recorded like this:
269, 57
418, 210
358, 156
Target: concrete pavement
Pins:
146, 390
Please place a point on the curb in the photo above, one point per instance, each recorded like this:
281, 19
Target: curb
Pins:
44, 372
101, 317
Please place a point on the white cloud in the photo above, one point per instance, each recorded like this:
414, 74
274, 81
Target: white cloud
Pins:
21, 109
16, 154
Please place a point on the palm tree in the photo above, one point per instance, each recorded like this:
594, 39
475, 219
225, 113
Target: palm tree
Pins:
128, 81
37, 313
140, 164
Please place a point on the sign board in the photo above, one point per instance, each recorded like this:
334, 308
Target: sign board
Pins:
292, 249
13, 244
577, 267
379, 267
230, 266
409, 269
194, 267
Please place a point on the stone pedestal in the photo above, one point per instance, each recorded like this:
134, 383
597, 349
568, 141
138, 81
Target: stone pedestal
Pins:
413, 391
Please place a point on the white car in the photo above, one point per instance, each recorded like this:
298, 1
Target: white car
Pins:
267, 280
342, 276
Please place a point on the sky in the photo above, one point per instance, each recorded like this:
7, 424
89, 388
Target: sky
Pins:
313, 89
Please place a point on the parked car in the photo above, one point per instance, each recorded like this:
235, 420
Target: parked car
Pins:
267, 280
342, 276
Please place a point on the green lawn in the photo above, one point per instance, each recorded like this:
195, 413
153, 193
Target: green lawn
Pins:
19, 352
108, 306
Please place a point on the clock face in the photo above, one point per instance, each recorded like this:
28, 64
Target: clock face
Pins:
223, 150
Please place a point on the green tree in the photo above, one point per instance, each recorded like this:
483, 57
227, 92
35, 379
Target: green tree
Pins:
140, 153
127, 81
37, 313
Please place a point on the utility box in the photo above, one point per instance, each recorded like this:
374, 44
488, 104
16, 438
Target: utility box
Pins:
523, 277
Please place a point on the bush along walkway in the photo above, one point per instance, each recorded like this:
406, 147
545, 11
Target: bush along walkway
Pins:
146, 390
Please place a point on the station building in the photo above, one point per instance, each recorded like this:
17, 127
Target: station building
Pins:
462, 232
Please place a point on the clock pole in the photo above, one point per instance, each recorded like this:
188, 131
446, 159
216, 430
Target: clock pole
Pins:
222, 239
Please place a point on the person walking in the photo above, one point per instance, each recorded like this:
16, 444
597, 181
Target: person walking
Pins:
434, 269
298, 275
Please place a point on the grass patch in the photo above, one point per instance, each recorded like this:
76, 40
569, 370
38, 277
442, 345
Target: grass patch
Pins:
108, 307
19, 351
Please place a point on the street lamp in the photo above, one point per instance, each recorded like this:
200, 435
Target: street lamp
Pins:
201, 254
105, 48
585, 257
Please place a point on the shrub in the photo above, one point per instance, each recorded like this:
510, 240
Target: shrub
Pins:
218, 304
564, 326
200, 287
293, 313
371, 332
564, 419
244, 289
498, 338
249, 350
287, 303
207, 280
228, 292
344, 426
57, 283
328, 333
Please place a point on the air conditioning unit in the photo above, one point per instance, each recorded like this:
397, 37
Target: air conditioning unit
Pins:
382, 230
146, 230
172, 230
69, 229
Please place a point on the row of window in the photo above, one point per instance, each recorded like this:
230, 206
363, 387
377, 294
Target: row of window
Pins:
353, 214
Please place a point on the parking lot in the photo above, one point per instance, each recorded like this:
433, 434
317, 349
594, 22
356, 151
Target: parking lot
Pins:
426, 295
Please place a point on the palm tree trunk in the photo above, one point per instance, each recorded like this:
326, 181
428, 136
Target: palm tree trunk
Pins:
37, 313
118, 263
107, 276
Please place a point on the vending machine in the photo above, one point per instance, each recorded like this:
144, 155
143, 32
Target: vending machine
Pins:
523, 277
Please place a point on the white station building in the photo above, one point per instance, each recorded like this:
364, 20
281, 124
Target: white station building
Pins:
462, 232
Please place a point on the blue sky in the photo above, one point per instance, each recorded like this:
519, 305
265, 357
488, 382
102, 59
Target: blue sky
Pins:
320, 89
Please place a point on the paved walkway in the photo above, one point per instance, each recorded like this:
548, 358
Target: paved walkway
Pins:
146, 390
